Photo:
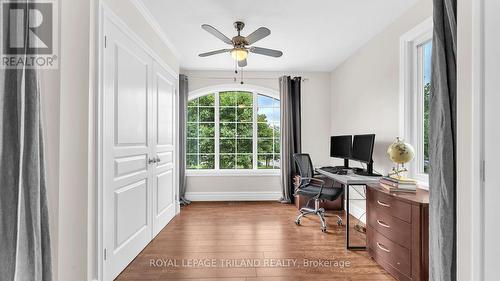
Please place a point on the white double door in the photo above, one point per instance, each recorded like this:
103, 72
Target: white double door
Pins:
139, 181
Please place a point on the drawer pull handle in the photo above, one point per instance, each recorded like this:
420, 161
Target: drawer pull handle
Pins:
383, 204
383, 248
383, 224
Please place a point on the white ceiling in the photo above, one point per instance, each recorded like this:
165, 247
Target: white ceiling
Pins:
314, 35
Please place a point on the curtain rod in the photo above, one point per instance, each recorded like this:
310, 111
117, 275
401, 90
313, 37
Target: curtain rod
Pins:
239, 78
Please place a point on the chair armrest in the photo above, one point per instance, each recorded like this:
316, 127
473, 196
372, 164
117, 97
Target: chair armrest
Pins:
315, 181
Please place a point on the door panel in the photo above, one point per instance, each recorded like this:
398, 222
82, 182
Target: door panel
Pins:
164, 191
127, 181
131, 97
165, 108
130, 164
165, 157
130, 221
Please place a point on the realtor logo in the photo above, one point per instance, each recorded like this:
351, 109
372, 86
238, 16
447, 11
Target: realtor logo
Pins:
29, 33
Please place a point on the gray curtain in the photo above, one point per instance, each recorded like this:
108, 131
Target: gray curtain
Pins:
290, 133
442, 144
24, 227
183, 99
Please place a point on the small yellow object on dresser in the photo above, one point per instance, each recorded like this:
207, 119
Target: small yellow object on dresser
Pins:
400, 153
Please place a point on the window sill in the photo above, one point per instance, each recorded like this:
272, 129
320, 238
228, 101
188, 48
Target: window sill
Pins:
232, 173
423, 185
422, 181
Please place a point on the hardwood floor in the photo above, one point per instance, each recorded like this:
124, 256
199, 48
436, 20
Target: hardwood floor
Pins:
250, 241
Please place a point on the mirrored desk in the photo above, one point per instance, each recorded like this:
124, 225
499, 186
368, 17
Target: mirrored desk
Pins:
347, 181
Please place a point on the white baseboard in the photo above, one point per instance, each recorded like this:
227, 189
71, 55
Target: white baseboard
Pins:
233, 196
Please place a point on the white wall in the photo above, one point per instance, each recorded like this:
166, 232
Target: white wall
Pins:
469, 254
315, 126
49, 91
365, 89
73, 140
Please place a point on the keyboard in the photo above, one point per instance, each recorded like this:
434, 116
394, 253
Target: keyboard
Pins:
332, 170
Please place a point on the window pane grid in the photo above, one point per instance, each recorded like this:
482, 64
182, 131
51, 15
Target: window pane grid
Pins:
268, 136
225, 130
200, 150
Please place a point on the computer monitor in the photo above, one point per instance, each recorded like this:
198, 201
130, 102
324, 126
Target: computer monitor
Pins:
340, 147
362, 148
362, 151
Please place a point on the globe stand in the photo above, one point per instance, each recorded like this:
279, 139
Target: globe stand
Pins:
396, 171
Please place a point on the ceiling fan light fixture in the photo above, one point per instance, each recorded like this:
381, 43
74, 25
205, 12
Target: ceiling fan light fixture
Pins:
239, 54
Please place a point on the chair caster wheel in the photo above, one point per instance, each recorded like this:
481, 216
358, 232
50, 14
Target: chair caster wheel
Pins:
339, 222
297, 222
323, 229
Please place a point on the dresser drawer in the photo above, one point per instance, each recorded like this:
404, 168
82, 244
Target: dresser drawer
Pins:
383, 203
391, 227
390, 252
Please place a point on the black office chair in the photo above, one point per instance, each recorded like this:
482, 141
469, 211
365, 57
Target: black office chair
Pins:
314, 189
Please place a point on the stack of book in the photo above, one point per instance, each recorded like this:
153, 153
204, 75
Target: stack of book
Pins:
399, 184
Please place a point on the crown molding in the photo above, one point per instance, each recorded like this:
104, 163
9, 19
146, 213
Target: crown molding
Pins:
156, 26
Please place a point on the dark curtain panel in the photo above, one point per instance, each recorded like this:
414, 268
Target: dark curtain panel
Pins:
290, 133
24, 223
442, 144
183, 99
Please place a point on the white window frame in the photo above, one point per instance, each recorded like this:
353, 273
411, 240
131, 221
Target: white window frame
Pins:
411, 98
234, 172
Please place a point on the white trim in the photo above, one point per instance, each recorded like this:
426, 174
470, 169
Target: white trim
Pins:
233, 87
470, 201
99, 261
233, 173
233, 196
477, 228
108, 13
409, 125
406, 42
156, 26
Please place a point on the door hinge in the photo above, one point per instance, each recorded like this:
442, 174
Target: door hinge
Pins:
105, 41
105, 254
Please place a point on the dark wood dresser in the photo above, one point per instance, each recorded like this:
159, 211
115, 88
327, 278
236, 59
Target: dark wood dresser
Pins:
397, 232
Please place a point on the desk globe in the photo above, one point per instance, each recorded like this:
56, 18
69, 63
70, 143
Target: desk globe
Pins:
400, 153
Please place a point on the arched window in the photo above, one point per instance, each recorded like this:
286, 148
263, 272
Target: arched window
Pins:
233, 130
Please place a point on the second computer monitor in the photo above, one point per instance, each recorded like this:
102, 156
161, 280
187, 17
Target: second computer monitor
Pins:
362, 148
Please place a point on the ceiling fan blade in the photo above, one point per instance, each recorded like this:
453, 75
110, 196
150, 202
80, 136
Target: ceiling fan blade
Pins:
214, 52
258, 34
242, 63
266, 52
212, 30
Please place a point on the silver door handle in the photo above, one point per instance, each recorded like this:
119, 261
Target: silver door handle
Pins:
383, 204
151, 161
383, 248
383, 224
